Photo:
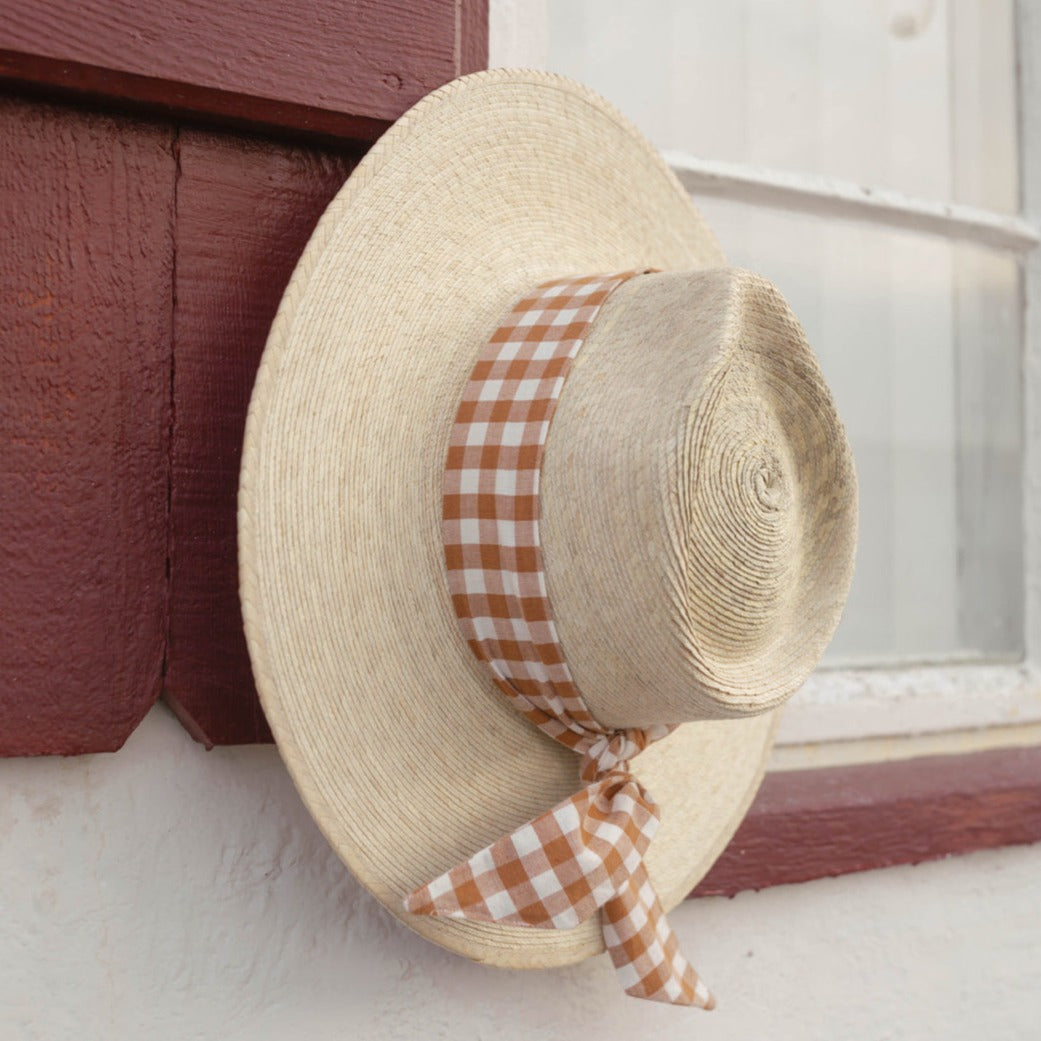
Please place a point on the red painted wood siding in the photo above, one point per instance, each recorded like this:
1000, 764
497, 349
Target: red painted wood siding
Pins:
118, 557
245, 209
85, 296
341, 68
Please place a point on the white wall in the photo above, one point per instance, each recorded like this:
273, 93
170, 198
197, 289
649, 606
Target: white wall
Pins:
170, 893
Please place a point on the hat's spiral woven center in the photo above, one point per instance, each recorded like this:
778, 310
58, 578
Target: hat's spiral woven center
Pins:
741, 540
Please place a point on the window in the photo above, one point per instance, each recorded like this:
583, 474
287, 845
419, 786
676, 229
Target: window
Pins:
865, 156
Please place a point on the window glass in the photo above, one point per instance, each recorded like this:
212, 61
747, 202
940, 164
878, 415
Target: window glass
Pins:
914, 95
918, 338
919, 335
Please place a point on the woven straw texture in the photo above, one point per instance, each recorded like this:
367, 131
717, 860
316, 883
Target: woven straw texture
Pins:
403, 750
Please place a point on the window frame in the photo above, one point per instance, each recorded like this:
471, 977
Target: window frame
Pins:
896, 801
925, 761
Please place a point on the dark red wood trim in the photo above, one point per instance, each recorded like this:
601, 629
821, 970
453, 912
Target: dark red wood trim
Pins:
318, 67
97, 86
245, 209
85, 311
472, 34
810, 824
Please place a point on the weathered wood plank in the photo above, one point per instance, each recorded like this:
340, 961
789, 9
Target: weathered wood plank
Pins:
317, 66
808, 824
85, 309
33, 75
245, 209
472, 35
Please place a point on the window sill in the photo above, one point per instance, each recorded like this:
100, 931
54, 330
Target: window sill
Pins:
807, 824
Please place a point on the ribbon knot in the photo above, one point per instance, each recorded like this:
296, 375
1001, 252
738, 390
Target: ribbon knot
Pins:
613, 749
586, 853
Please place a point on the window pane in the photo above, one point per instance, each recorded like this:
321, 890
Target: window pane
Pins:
916, 95
919, 340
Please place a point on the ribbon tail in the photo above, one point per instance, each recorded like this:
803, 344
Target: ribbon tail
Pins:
509, 882
645, 951
558, 869
554, 872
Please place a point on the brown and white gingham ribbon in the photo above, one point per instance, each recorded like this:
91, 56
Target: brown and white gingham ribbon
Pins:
586, 852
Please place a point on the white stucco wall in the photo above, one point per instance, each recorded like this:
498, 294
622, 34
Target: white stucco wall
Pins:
170, 893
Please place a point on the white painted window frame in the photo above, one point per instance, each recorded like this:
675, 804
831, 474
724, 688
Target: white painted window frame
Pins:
870, 715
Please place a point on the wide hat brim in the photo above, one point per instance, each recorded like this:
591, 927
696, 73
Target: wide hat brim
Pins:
404, 752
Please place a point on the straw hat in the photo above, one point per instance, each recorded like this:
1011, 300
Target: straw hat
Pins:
698, 500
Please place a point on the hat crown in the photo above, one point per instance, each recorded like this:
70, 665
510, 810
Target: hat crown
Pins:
698, 503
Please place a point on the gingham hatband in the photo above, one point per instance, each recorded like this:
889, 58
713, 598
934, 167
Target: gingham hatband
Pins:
586, 853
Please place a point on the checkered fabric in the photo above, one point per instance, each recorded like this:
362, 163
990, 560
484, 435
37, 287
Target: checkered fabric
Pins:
586, 853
